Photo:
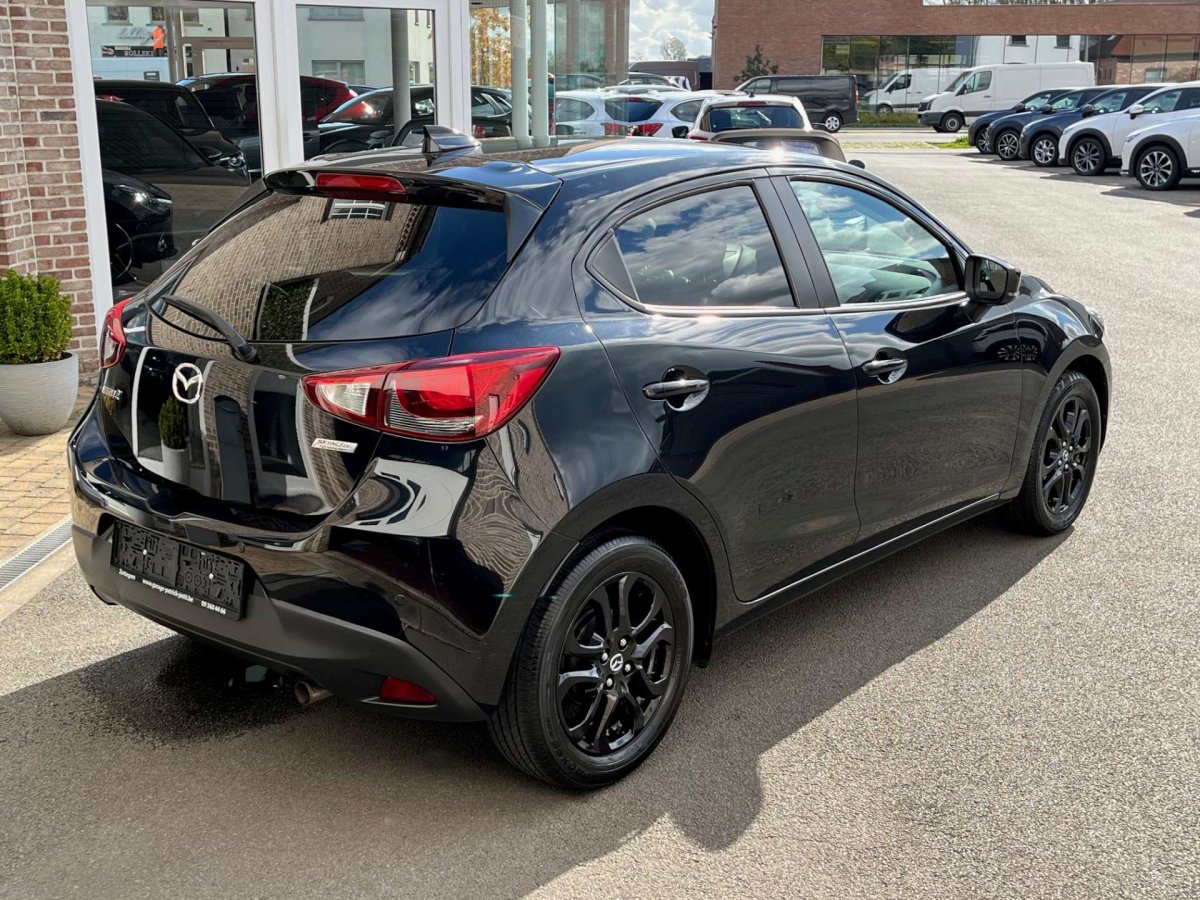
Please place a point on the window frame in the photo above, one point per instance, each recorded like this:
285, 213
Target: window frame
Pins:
803, 291
815, 258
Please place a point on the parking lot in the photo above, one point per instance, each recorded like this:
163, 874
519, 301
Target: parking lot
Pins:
983, 715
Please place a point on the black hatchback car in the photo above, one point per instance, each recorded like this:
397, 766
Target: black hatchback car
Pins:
517, 439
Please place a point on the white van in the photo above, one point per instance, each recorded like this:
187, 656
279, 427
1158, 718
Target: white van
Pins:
985, 89
904, 90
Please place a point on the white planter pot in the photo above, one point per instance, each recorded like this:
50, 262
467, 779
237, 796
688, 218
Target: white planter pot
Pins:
176, 466
37, 398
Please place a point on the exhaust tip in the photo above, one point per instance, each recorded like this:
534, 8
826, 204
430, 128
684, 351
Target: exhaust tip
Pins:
308, 693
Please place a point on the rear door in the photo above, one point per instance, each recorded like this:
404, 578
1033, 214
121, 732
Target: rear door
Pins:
746, 396
939, 383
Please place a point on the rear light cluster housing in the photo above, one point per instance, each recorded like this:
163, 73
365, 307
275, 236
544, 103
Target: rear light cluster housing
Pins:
455, 398
112, 336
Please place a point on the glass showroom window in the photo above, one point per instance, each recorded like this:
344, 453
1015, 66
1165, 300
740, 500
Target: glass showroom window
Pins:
177, 118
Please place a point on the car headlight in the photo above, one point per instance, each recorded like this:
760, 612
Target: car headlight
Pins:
145, 199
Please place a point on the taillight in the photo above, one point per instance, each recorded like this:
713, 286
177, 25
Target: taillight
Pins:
355, 186
457, 398
693, 136
746, 103
613, 129
112, 336
649, 129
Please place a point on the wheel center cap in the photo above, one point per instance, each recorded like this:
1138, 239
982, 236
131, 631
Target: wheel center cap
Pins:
616, 662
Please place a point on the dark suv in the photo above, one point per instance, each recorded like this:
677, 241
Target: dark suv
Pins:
516, 439
831, 101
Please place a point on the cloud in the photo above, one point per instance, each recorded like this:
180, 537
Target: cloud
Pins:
653, 21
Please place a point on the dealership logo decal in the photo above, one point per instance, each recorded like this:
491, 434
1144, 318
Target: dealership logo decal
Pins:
186, 383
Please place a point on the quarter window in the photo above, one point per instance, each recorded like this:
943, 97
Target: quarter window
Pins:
709, 249
568, 109
874, 252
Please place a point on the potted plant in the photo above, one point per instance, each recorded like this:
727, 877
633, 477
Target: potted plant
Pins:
173, 429
38, 378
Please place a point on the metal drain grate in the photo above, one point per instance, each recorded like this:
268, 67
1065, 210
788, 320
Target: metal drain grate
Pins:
34, 553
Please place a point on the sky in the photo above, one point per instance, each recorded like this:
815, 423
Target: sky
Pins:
653, 21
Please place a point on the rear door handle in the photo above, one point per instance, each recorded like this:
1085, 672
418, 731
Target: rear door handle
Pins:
679, 387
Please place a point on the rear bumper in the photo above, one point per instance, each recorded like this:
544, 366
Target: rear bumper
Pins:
347, 659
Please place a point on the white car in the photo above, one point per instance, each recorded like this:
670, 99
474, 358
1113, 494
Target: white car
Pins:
644, 113
1160, 155
749, 111
1104, 135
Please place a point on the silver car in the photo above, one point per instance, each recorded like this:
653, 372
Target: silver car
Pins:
646, 113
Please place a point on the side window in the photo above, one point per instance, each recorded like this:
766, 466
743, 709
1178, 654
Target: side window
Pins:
980, 81
760, 86
901, 84
709, 249
874, 252
1189, 100
1164, 102
481, 104
568, 109
688, 111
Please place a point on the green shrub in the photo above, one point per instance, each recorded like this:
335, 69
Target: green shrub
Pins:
895, 120
35, 319
173, 425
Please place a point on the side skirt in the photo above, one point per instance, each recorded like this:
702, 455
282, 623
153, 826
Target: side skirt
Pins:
779, 597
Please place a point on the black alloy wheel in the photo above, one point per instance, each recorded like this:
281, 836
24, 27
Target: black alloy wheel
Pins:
952, 122
1087, 157
1157, 168
1044, 151
601, 668
120, 252
1008, 144
1062, 464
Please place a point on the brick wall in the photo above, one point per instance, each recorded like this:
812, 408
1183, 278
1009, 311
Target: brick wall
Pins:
42, 227
790, 31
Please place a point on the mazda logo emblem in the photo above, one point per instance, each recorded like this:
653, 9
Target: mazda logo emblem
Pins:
616, 662
187, 382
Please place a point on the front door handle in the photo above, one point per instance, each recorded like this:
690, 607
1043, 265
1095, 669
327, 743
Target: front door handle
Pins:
678, 387
886, 368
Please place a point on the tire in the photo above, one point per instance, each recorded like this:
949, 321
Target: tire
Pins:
560, 736
1007, 144
1057, 483
832, 122
883, 111
983, 141
1157, 168
1088, 157
1043, 150
952, 122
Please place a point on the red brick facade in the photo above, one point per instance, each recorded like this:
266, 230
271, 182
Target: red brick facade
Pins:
42, 226
790, 31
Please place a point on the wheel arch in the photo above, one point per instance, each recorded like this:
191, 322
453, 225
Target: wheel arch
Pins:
1092, 133
1091, 367
1156, 140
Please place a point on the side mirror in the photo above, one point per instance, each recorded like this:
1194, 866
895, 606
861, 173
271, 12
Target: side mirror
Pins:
680, 131
991, 281
1020, 107
1136, 110
962, 90
857, 162
1047, 109
212, 154
1088, 110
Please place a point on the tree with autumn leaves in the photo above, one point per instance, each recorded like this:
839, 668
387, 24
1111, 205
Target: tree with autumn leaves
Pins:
491, 48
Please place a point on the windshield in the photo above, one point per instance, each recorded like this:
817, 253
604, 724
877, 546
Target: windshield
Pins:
375, 108
1037, 101
725, 118
958, 82
178, 108
1068, 102
1112, 101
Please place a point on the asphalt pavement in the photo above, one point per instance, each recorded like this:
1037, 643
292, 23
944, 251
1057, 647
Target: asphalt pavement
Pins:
984, 715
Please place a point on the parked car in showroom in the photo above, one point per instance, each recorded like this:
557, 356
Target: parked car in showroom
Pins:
353, 125
831, 100
1093, 145
1161, 155
1006, 131
179, 108
1040, 137
648, 113
517, 441
719, 114
979, 134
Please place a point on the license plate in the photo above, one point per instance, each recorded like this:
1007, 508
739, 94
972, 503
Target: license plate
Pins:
208, 580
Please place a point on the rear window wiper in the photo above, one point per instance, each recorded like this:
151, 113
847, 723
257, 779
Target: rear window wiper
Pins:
214, 320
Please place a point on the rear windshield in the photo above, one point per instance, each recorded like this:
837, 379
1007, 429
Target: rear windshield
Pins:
631, 109
726, 118
309, 268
